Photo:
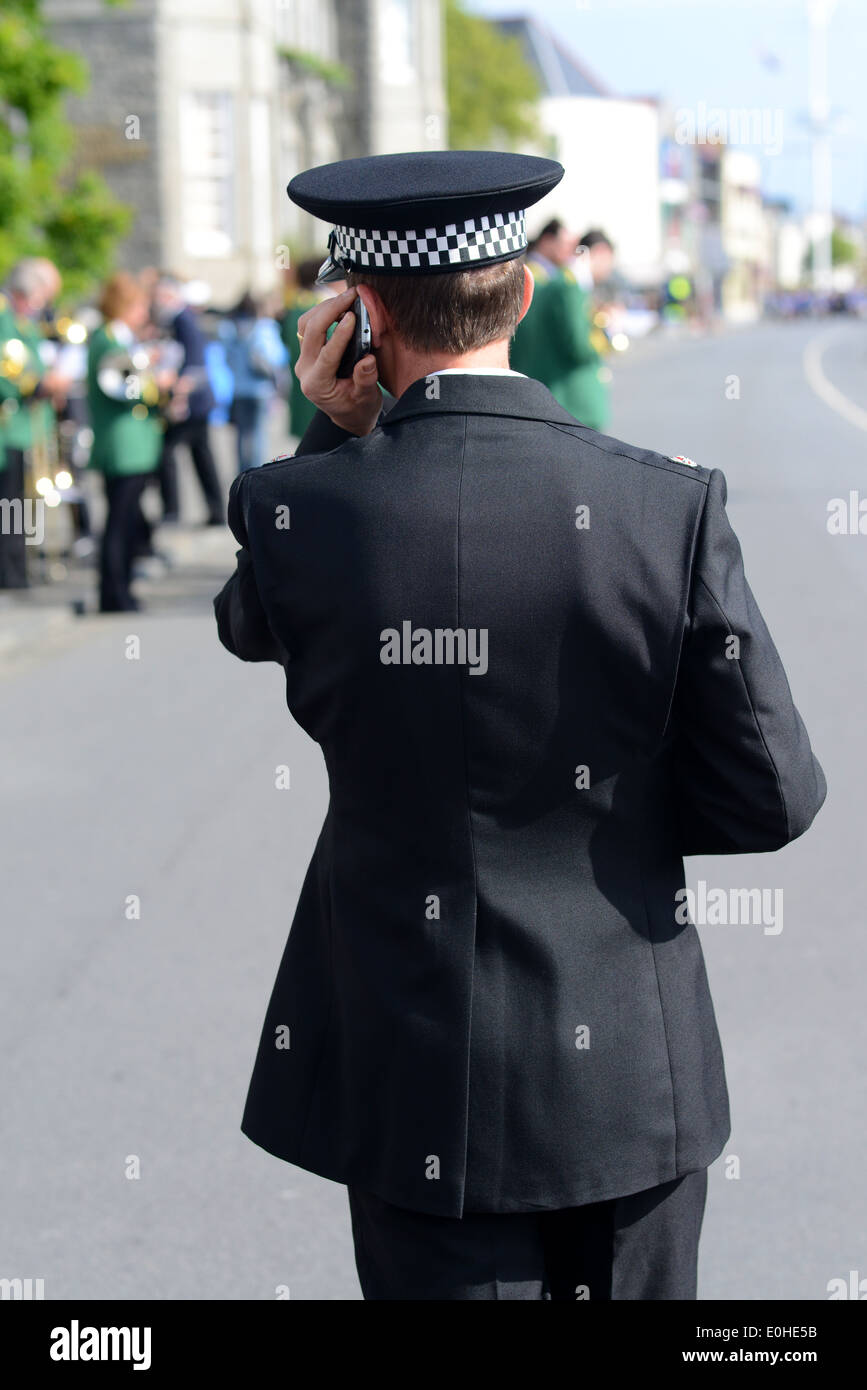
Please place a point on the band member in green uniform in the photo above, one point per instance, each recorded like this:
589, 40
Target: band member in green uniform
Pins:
26, 415
554, 343
301, 411
123, 392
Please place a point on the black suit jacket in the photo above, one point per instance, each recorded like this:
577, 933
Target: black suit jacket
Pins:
491, 1002
186, 330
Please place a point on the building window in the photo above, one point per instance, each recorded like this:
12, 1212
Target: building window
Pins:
262, 232
207, 186
397, 42
306, 26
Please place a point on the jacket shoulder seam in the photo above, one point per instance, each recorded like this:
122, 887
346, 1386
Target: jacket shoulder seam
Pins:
657, 462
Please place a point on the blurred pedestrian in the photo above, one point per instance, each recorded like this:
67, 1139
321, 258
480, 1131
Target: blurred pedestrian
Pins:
124, 398
595, 259
26, 416
554, 342
192, 402
301, 411
63, 350
256, 358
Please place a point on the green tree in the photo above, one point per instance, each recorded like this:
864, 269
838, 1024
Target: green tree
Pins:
44, 210
491, 90
843, 251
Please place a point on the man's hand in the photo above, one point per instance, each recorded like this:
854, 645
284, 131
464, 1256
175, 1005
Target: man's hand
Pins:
352, 402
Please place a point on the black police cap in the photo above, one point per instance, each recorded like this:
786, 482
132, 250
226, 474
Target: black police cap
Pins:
425, 212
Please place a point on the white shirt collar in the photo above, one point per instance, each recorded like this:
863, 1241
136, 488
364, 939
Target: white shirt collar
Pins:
476, 371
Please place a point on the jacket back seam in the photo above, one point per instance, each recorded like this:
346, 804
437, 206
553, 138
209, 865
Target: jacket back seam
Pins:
468, 805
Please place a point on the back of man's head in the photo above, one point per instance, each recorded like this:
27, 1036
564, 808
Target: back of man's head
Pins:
455, 312
595, 238
555, 242
600, 250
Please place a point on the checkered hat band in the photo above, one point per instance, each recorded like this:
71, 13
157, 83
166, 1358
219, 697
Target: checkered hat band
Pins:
477, 239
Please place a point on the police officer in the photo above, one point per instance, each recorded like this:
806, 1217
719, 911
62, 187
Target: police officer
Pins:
511, 636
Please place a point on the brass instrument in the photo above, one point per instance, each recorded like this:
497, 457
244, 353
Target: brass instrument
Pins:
133, 374
17, 367
69, 330
129, 374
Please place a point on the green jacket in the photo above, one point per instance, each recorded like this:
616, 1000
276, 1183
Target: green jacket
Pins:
301, 411
553, 344
23, 420
127, 433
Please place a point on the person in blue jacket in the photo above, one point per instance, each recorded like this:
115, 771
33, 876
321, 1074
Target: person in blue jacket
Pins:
256, 356
192, 403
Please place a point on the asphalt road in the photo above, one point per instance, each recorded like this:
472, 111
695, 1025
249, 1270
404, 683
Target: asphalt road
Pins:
131, 1039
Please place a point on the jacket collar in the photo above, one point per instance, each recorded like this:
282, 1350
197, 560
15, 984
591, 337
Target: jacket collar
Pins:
521, 397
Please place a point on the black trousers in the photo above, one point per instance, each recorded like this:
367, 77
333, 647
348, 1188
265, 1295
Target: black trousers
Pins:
13, 544
644, 1246
127, 532
193, 433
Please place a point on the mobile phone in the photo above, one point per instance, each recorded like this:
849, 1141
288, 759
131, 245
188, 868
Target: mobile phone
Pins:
359, 344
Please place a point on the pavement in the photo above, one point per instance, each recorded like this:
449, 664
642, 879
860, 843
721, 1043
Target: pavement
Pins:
151, 868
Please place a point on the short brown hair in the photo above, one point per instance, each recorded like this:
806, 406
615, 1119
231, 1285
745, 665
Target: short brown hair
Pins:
454, 312
118, 293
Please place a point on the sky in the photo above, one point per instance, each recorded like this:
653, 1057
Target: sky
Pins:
730, 54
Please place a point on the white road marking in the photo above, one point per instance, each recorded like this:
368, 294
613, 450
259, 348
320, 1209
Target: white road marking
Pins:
825, 389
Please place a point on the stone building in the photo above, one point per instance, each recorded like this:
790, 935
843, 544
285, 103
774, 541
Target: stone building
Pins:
200, 111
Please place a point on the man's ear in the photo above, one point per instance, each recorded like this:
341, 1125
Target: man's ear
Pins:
380, 323
529, 287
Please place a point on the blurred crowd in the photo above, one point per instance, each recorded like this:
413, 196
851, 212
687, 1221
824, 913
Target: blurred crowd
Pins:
132, 387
